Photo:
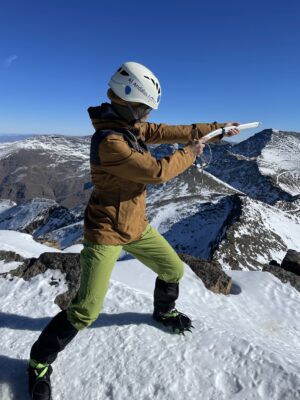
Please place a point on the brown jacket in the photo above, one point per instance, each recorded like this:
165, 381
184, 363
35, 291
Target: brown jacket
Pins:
115, 213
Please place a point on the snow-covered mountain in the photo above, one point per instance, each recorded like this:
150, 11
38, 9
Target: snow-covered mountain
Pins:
229, 218
5, 205
235, 230
44, 219
8, 138
277, 155
265, 167
53, 167
243, 346
258, 233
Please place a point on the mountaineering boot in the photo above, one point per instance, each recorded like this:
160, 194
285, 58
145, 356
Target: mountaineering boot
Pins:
178, 321
165, 295
39, 380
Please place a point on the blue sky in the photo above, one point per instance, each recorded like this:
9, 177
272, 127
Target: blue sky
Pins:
216, 60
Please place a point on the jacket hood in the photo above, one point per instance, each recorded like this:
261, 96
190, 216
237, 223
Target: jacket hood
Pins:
105, 116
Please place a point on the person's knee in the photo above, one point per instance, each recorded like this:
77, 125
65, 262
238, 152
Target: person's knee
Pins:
81, 318
179, 271
174, 274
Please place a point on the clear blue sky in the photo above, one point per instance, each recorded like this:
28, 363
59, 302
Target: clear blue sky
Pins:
216, 60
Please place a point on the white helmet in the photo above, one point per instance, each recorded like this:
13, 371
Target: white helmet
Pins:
134, 82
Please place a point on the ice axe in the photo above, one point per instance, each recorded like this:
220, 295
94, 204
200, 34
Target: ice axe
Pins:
221, 131
205, 139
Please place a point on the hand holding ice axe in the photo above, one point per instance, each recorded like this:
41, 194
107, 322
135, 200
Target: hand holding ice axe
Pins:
229, 130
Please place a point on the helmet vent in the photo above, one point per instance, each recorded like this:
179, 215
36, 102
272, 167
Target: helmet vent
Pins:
154, 83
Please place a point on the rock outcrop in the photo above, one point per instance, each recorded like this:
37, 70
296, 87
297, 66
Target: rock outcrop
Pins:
211, 274
291, 262
9, 256
67, 263
288, 271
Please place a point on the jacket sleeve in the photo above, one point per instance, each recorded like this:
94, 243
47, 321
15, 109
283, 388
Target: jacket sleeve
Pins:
162, 133
118, 159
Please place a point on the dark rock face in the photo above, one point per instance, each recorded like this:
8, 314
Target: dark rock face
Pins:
283, 275
211, 274
67, 263
9, 256
198, 226
274, 262
57, 218
243, 166
43, 218
291, 262
251, 241
28, 216
288, 271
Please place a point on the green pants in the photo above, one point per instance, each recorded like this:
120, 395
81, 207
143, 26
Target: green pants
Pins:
97, 262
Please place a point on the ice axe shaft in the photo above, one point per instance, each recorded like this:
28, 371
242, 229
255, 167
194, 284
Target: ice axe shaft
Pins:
219, 131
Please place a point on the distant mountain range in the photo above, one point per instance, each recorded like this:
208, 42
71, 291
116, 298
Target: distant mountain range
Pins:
242, 211
53, 167
9, 137
265, 167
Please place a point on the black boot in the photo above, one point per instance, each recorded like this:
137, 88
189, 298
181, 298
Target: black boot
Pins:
54, 338
39, 381
165, 295
174, 319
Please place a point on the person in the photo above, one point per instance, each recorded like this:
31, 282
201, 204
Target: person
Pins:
121, 167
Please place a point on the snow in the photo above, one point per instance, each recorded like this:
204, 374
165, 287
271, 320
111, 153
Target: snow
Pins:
8, 266
67, 234
243, 347
260, 234
280, 159
281, 224
223, 183
265, 166
22, 244
76, 248
60, 149
6, 205
21, 216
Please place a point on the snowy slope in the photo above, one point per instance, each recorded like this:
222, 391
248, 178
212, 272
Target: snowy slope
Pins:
280, 160
22, 244
6, 205
9, 138
259, 234
195, 227
236, 230
59, 148
243, 347
54, 167
265, 167
27, 216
